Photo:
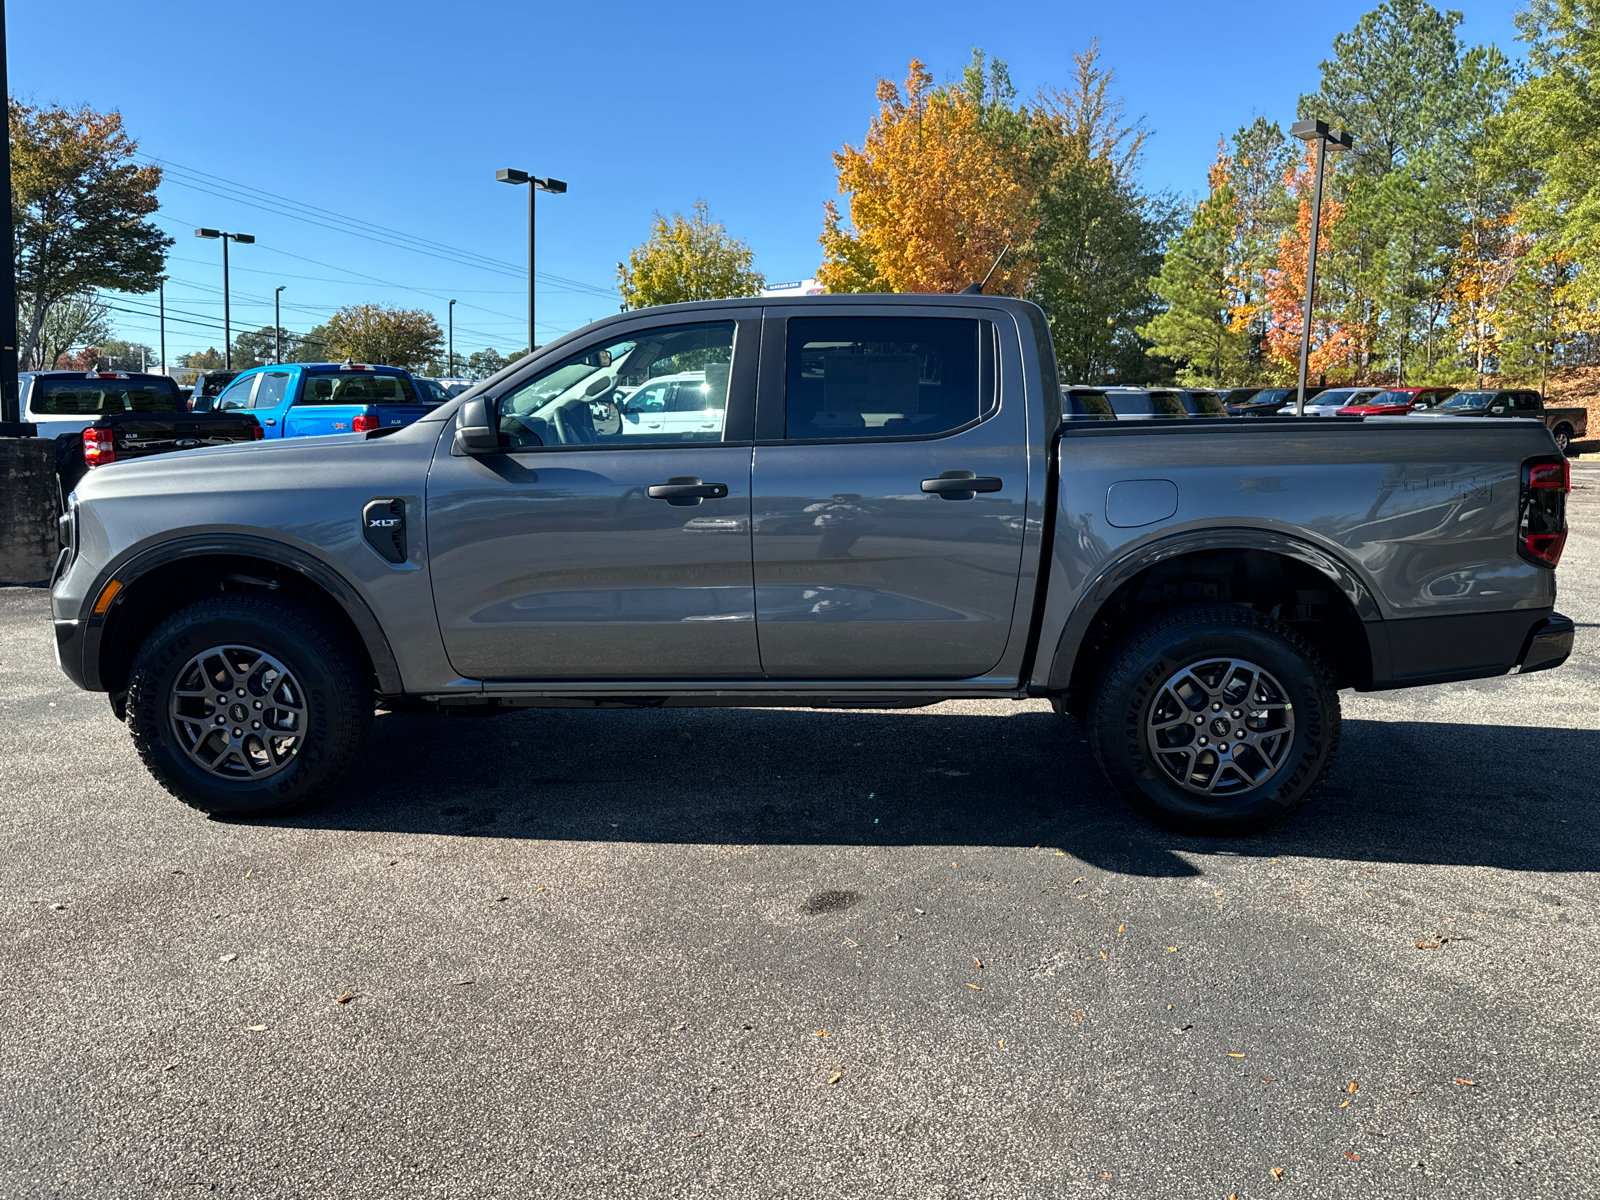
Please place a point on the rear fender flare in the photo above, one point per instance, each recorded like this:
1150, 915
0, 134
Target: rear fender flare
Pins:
131, 567
1338, 573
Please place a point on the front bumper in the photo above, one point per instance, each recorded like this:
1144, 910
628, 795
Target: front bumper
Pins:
1549, 644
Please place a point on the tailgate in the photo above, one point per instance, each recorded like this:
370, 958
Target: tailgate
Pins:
139, 435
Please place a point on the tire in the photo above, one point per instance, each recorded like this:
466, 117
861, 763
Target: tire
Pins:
284, 669
1563, 435
1171, 670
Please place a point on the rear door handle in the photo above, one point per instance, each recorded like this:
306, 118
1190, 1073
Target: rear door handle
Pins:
683, 490
961, 485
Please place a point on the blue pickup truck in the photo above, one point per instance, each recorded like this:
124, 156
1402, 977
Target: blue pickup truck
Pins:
310, 399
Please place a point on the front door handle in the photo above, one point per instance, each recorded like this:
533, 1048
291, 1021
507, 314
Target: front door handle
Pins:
270, 421
683, 490
961, 485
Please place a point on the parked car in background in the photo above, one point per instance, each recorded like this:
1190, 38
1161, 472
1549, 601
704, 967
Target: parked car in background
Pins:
1202, 403
1086, 404
208, 385
1268, 401
1398, 402
98, 417
455, 386
1238, 395
1329, 402
1566, 423
310, 399
1146, 404
431, 391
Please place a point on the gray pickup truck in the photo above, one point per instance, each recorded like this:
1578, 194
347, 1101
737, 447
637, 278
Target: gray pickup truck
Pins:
828, 502
1568, 424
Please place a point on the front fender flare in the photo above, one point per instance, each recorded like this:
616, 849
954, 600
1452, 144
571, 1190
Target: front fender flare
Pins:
130, 567
1117, 573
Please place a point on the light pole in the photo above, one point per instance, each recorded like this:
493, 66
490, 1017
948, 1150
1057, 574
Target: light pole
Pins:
161, 310
450, 344
244, 239
1326, 139
10, 414
555, 187
277, 326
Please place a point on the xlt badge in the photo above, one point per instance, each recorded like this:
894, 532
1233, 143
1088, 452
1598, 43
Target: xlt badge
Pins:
383, 524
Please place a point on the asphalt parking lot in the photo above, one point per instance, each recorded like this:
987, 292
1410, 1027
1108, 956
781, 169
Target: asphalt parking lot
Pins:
739, 953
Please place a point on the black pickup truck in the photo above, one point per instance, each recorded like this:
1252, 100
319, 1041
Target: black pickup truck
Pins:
99, 417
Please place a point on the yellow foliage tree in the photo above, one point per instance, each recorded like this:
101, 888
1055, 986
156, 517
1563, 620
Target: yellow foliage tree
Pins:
934, 199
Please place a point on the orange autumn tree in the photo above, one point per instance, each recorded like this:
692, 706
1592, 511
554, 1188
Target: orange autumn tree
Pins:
1286, 286
934, 198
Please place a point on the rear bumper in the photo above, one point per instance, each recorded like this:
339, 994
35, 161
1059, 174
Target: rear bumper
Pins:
1549, 644
1450, 649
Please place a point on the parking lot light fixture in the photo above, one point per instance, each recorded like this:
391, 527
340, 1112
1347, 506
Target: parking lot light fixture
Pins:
1326, 140
277, 325
244, 239
538, 184
450, 340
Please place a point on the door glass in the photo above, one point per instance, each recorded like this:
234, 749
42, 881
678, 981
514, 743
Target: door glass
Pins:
875, 377
270, 393
237, 394
618, 393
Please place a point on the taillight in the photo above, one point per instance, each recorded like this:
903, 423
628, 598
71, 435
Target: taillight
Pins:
256, 432
364, 422
99, 447
1542, 526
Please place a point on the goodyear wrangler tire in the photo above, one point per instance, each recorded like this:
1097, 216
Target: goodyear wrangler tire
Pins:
1214, 719
247, 705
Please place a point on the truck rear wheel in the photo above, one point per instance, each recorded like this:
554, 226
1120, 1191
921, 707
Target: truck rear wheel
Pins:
247, 705
1563, 436
1214, 719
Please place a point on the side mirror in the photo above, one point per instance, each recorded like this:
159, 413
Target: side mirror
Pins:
1420, 404
474, 434
1498, 408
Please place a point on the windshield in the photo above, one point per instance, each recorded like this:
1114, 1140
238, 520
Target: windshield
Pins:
431, 391
1340, 396
92, 396
1470, 400
1271, 396
1393, 398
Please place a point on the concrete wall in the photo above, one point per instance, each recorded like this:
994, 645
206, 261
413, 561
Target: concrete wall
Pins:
29, 505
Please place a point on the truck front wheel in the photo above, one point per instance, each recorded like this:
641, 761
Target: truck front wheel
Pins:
1214, 719
246, 705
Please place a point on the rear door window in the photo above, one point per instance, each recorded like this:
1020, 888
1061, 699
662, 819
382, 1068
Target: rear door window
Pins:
95, 397
877, 377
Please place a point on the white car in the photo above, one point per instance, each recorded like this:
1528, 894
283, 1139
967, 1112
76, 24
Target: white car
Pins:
687, 403
1328, 403
60, 402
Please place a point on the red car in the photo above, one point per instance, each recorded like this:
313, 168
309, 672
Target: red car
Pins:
1397, 402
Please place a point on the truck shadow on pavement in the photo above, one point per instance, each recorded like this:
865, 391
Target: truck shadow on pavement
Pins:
1512, 797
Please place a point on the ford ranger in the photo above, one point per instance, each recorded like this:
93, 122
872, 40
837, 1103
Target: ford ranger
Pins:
882, 508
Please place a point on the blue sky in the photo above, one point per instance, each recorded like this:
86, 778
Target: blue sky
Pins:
398, 114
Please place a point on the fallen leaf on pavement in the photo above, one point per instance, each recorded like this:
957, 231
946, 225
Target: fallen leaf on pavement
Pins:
1231, 1054
823, 1033
256, 1028
1103, 955
1120, 928
1269, 1079
979, 962
1467, 1082
463, 982
1352, 1157
1277, 1174
1002, 1043
1344, 1104
228, 958
1105, 1174
1432, 945
1079, 1015
837, 1075
974, 987
346, 998
1079, 879
1351, 1086
1172, 949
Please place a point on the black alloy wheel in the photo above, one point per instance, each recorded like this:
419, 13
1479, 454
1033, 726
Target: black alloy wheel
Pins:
1214, 719
248, 705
